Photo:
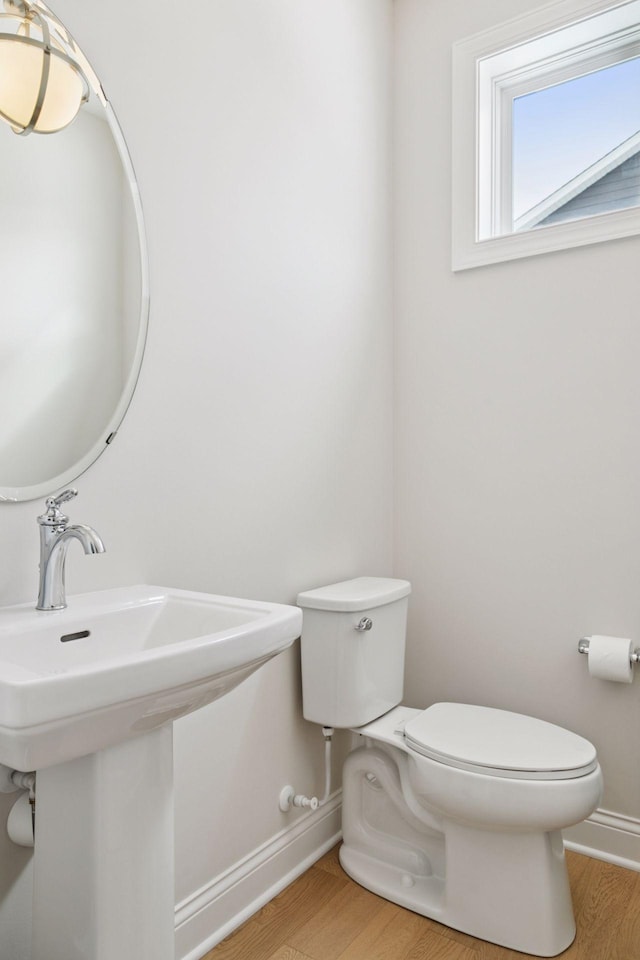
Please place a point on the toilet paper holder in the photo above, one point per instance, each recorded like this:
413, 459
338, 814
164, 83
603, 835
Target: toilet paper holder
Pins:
583, 647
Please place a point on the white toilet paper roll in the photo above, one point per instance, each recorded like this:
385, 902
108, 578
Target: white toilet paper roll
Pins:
610, 658
20, 822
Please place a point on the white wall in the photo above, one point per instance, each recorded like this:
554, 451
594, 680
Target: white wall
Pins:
256, 457
517, 440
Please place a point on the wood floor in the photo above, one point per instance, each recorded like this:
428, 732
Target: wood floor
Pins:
324, 915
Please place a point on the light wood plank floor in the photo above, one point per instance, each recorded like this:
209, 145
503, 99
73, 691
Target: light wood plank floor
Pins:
324, 915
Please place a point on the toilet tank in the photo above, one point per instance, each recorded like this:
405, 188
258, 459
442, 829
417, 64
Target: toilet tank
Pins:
351, 676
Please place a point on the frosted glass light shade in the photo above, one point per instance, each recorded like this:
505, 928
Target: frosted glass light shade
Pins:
21, 67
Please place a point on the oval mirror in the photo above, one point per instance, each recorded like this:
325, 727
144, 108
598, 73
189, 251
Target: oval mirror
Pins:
73, 277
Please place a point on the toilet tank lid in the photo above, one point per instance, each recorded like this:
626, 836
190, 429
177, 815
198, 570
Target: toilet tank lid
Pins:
363, 593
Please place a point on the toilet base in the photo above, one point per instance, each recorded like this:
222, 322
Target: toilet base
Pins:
508, 888
419, 893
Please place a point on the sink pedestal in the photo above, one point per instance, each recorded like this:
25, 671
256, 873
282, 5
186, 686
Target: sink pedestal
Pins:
104, 854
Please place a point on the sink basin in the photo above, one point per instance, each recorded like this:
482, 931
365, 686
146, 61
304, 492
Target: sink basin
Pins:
119, 663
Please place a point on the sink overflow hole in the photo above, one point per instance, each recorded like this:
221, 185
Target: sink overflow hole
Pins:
80, 635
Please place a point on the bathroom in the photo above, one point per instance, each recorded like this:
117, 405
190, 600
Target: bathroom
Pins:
321, 397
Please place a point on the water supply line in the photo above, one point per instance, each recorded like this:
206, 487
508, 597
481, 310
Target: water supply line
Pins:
288, 796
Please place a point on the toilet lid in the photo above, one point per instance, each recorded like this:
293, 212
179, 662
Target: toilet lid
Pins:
499, 743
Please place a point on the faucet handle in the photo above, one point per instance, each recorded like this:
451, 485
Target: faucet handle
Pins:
61, 498
54, 515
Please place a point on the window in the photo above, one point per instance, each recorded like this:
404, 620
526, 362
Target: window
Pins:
576, 147
546, 147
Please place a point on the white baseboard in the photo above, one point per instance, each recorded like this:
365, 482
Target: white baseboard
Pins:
607, 836
211, 913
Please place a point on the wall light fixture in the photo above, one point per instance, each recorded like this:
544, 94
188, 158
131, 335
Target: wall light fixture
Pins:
42, 87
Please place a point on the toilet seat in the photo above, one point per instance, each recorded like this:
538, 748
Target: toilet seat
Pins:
498, 743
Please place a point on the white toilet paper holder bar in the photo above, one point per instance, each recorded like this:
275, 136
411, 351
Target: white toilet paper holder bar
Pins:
583, 647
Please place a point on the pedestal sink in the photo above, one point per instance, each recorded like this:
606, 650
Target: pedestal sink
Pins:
87, 699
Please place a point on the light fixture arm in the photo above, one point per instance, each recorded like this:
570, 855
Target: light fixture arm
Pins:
17, 7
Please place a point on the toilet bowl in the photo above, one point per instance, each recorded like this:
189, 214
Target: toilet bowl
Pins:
456, 811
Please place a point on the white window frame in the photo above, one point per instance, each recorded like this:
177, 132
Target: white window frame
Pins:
553, 44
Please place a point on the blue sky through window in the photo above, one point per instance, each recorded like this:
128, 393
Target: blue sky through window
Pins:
562, 130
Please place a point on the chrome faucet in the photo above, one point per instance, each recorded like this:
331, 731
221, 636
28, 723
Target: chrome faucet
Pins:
55, 537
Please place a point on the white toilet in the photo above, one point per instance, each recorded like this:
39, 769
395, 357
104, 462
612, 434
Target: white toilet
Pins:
454, 812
